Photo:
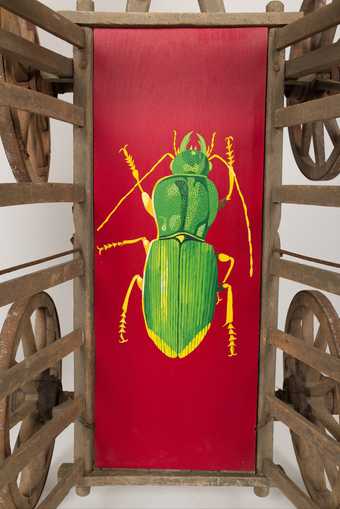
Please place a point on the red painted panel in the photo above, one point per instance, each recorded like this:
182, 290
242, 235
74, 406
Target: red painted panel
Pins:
152, 411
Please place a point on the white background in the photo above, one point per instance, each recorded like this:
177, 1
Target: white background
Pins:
31, 232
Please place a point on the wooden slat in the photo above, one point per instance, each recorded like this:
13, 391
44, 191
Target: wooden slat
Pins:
23, 372
65, 484
311, 24
211, 5
84, 368
141, 477
46, 18
26, 193
303, 428
280, 480
21, 50
313, 357
36, 102
319, 109
324, 196
320, 60
138, 5
25, 286
27, 408
122, 19
312, 276
66, 413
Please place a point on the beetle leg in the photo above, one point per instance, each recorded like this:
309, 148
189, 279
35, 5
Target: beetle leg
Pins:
110, 245
229, 322
122, 323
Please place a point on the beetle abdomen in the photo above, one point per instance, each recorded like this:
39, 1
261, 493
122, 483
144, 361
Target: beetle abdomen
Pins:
179, 295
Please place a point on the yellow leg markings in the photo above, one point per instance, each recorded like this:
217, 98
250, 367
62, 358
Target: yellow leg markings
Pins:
175, 142
131, 164
111, 245
126, 195
229, 319
122, 323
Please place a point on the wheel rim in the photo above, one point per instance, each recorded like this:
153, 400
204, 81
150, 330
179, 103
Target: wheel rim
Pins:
18, 332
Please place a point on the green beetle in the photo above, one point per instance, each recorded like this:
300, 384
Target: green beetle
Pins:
180, 283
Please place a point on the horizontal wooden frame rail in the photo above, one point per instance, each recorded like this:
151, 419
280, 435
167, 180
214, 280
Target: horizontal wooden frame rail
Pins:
317, 21
14, 268
64, 485
63, 415
141, 477
319, 60
44, 17
310, 111
311, 276
21, 50
280, 480
303, 427
284, 252
156, 19
323, 362
27, 193
23, 372
20, 98
25, 286
323, 196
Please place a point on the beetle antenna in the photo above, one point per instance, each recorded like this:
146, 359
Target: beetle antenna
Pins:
212, 144
175, 142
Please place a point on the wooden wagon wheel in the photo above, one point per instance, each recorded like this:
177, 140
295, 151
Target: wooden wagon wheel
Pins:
312, 318
25, 136
31, 324
315, 166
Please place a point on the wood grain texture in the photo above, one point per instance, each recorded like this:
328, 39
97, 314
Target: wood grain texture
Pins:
83, 287
21, 50
294, 494
21, 194
310, 111
14, 96
65, 484
117, 19
46, 18
317, 21
66, 413
313, 357
138, 5
25, 371
320, 60
25, 286
141, 477
304, 428
85, 5
324, 196
307, 275
211, 5
271, 241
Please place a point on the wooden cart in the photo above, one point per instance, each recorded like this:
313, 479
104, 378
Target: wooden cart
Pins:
32, 77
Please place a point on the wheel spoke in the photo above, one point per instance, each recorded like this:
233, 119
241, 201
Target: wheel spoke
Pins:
306, 138
28, 339
319, 143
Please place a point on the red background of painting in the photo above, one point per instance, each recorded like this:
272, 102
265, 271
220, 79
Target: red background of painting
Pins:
152, 411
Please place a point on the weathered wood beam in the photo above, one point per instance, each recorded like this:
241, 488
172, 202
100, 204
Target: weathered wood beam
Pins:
141, 477
324, 196
317, 21
280, 480
138, 5
25, 286
211, 5
312, 276
65, 484
21, 50
20, 98
85, 5
303, 428
309, 111
26, 193
24, 410
309, 355
123, 19
64, 415
23, 372
46, 18
319, 60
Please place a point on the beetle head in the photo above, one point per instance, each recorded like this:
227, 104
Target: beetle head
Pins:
191, 161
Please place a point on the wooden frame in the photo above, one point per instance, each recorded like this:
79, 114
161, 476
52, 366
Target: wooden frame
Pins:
76, 28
